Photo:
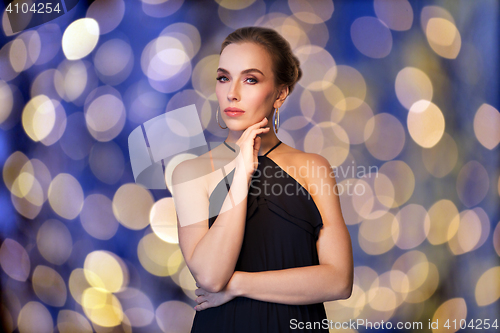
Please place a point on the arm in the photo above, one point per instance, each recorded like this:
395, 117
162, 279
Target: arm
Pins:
210, 254
332, 279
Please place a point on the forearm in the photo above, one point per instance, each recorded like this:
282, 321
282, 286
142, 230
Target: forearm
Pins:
294, 286
215, 256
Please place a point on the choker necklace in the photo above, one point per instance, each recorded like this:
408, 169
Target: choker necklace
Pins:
228, 146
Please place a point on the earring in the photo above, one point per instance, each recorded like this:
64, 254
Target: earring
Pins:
217, 117
276, 120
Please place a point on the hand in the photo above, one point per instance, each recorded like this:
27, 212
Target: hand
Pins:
249, 144
207, 299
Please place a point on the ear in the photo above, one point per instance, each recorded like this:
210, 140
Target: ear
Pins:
282, 95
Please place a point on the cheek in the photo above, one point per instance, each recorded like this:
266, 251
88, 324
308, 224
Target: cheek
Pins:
263, 96
269, 97
219, 91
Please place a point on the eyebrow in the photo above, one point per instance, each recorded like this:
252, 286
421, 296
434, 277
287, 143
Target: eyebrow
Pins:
246, 71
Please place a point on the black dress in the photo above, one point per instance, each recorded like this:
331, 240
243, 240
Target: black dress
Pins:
282, 226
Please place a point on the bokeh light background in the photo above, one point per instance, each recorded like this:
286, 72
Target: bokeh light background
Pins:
401, 96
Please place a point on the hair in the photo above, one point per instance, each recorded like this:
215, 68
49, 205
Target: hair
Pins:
286, 66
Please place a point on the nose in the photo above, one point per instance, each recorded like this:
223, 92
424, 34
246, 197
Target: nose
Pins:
233, 94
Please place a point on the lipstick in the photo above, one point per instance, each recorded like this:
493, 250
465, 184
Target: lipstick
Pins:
233, 112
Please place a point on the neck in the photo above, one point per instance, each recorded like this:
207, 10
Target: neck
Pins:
268, 140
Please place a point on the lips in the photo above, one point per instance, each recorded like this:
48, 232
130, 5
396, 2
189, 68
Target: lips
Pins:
232, 110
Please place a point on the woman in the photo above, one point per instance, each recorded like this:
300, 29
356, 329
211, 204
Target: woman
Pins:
273, 249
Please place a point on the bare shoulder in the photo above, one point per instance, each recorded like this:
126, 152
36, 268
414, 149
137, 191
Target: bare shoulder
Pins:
205, 170
312, 167
299, 158
192, 169
304, 167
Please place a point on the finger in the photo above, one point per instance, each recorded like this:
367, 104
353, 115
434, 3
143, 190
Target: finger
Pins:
198, 292
258, 141
257, 144
263, 122
200, 299
258, 131
198, 285
257, 125
251, 134
254, 136
252, 131
201, 306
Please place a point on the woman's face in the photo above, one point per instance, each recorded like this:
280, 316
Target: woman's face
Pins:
245, 82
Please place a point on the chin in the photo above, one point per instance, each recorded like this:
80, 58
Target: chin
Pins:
238, 127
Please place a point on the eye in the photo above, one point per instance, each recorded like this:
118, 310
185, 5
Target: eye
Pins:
251, 80
221, 78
